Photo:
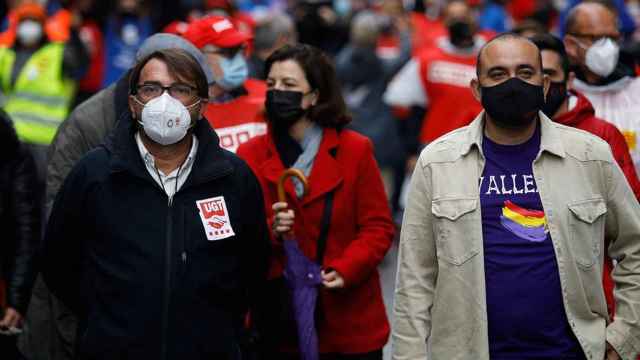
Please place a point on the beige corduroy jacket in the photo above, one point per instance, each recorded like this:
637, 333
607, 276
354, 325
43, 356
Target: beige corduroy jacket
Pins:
440, 300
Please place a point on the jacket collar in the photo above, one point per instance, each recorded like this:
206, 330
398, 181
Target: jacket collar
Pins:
581, 111
121, 95
614, 86
211, 161
550, 138
325, 173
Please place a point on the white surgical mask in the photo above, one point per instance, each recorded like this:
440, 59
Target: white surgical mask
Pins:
165, 120
602, 57
29, 32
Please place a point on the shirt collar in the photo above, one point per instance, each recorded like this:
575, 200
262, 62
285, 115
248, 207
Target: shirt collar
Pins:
550, 140
149, 160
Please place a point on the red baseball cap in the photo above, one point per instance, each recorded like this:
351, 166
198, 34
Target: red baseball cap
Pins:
215, 30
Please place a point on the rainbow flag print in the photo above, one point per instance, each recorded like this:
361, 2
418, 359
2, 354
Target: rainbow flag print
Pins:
526, 224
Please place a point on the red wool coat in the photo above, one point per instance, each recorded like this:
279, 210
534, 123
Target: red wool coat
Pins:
353, 319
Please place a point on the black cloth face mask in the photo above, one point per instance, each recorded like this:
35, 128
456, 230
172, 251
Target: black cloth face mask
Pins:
514, 103
556, 95
284, 108
460, 34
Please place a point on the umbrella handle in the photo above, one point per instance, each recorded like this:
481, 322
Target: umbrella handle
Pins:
291, 172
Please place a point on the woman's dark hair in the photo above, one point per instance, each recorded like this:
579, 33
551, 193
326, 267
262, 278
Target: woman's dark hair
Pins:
180, 64
330, 109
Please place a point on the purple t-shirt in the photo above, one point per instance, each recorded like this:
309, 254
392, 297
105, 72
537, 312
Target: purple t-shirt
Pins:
524, 300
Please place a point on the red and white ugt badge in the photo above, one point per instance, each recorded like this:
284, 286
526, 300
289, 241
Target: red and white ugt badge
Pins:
215, 218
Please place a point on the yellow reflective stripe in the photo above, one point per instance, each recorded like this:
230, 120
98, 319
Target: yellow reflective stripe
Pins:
14, 106
35, 133
18, 117
41, 98
528, 221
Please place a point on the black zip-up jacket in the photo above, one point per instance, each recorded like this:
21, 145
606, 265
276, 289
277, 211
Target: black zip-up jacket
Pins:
19, 217
139, 270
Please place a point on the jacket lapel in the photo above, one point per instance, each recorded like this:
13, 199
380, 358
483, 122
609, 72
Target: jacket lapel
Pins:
325, 173
273, 167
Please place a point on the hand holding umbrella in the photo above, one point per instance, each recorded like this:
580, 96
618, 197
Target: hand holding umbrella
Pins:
302, 275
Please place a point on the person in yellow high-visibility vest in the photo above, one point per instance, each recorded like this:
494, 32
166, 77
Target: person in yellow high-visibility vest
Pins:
40, 61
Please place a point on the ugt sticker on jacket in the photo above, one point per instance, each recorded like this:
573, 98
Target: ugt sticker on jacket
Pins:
215, 218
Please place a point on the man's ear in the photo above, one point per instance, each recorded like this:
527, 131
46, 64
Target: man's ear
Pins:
546, 82
475, 89
132, 106
570, 78
571, 47
203, 106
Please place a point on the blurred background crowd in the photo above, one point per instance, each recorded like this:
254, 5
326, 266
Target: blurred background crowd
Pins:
404, 67
377, 46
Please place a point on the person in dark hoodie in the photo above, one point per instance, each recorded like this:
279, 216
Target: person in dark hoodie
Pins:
571, 108
161, 230
20, 223
51, 329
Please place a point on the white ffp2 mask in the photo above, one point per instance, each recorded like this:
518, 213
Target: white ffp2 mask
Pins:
165, 120
602, 57
29, 32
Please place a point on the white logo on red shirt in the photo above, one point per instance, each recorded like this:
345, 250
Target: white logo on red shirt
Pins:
222, 25
451, 73
215, 218
233, 136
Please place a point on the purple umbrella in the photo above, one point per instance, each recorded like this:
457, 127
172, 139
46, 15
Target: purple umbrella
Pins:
302, 277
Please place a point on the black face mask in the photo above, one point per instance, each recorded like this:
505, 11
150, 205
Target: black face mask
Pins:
461, 34
556, 95
284, 108
514, 103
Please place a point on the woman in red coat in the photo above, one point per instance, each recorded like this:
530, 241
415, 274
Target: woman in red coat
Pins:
306, 115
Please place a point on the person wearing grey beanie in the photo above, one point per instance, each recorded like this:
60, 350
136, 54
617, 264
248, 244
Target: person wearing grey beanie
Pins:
50, 329
163, 41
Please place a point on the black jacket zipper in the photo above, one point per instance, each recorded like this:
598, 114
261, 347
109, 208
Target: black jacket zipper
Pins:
166, 298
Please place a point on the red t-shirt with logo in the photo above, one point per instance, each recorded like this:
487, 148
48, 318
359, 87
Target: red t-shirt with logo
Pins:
240, 119
445, 78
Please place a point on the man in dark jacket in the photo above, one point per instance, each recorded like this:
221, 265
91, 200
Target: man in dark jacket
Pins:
20, 224
51, 330
160, 229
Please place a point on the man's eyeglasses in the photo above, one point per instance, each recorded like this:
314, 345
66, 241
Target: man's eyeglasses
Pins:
595, 37
182, 92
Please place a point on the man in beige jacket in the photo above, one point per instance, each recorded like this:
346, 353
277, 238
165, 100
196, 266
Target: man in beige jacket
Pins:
502, 241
